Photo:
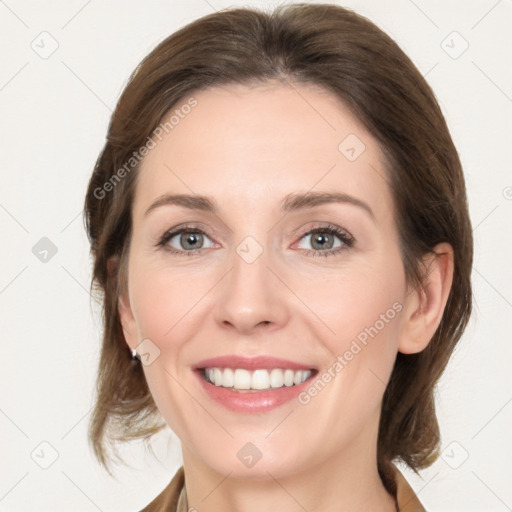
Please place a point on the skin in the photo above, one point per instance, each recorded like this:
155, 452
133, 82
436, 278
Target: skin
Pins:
249, 147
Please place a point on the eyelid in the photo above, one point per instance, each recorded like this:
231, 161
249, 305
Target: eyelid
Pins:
322, 226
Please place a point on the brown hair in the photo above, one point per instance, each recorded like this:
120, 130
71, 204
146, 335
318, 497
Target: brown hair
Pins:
349, 56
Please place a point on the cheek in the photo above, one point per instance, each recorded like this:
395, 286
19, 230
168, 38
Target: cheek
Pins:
359, 302
361, 306
363, 313
163, 302
166, 304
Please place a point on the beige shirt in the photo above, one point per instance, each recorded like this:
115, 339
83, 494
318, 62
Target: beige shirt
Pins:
174, 497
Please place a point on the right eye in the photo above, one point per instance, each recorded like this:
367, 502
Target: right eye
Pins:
185, 240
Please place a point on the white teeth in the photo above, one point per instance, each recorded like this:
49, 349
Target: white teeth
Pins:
288, 377
260, 379
228, 378
257, 379
217, 376
242, 379
276, 378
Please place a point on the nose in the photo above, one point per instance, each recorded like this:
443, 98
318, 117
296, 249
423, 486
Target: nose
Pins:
251, 297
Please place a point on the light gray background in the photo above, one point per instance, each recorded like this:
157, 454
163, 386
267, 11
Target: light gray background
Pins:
54, 115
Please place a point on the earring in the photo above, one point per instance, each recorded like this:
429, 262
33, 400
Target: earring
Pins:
134, 354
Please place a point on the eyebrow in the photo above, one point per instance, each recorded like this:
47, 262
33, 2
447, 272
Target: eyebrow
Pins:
292, 202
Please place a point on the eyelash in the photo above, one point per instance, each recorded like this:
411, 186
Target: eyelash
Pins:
347, 239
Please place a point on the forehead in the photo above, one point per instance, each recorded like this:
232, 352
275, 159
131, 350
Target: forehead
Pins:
262, 141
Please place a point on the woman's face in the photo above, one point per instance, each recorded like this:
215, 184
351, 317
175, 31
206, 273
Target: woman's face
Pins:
300, 261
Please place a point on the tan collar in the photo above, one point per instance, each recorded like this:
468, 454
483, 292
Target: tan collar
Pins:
406, 497
174, 497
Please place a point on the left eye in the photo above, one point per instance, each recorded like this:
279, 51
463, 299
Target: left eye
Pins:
325, 239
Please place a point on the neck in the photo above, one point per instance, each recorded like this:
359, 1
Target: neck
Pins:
346, 481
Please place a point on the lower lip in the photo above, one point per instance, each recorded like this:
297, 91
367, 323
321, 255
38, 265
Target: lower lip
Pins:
251, 401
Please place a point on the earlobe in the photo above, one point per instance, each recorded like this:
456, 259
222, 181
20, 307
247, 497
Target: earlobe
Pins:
425, 304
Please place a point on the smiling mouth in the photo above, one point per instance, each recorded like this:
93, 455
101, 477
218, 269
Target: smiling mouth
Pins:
240, 379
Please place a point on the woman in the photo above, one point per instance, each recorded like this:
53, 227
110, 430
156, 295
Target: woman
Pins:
245, 149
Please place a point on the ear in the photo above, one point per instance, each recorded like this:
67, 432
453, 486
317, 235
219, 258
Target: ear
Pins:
425, 304
127, 321
124, 308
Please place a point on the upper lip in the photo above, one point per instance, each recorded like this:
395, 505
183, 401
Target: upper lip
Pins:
251, 363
